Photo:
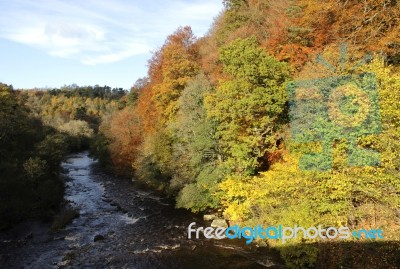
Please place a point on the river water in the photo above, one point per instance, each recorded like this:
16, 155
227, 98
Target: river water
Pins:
135, 228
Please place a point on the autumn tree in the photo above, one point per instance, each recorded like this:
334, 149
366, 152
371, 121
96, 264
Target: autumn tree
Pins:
248, 106
30, 156
170, 69
179, 65
195, 152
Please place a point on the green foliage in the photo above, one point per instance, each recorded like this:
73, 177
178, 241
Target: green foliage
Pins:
248, 107
89, 92
147, 166
99, 149
224, 143
30, 156
299, 256
77, 128
331, 109
52, 149
389, 101
237, 15
68, 111
344, 196
195, 156
35, 168
31, 150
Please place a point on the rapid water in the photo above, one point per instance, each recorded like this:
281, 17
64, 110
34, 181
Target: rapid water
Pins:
133, 227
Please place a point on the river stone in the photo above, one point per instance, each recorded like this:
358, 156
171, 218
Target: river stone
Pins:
208, 217
29, 236
98, 237
216, 223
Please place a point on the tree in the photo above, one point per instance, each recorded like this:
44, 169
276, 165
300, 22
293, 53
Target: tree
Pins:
30, 156
249, 106
179, 65
125, 131
195, 158
170, 69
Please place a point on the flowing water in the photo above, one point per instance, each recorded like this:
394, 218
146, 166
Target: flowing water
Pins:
133, 228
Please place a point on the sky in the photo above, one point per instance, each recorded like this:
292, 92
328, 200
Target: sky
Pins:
51, 43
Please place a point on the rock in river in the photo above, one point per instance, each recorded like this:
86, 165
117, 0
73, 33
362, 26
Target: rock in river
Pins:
219, 223
209, 217
98, 237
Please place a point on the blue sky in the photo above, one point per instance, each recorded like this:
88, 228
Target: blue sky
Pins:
50, 43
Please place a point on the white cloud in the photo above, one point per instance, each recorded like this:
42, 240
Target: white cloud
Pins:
136, 48
101, 31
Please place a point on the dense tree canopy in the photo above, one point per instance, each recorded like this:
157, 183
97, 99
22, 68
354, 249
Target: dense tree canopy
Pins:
210, 123
249, 105
37, 129
221, 139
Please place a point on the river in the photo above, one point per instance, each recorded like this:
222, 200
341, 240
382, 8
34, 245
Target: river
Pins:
134, 228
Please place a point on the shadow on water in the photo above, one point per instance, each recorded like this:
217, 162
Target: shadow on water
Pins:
122, 226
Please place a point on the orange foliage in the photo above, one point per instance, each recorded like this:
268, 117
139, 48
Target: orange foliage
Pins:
147, 111
368, 25
278, 22
296, 54
170, 69
125, 130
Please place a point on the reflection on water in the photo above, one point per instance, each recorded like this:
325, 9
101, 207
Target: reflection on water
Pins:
121, 226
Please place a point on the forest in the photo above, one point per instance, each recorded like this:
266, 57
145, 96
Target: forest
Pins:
211, 125
38, 129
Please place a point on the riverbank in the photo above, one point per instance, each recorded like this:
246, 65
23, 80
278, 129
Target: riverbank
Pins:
121, 226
